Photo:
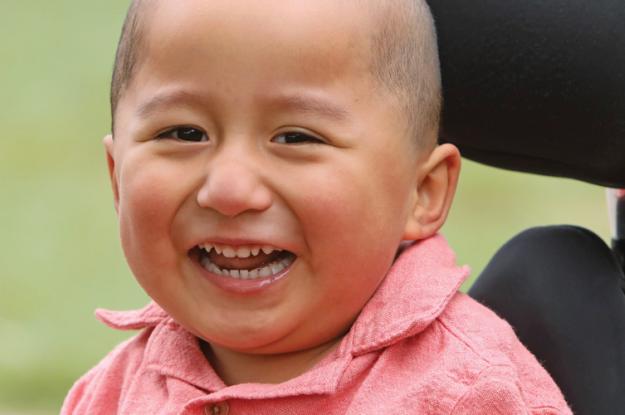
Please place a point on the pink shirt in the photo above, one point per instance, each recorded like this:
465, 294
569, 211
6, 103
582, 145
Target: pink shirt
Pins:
418, 347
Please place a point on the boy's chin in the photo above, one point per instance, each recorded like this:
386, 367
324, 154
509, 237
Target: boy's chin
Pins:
268, 344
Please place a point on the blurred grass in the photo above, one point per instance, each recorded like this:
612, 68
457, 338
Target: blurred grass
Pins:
59, 247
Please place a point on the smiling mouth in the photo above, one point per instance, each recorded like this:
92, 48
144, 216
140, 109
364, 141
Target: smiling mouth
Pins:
243, 262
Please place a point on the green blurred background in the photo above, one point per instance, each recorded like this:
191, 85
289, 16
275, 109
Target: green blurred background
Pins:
59, 248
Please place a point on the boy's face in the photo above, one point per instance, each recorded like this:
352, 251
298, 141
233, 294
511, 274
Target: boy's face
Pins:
257, 123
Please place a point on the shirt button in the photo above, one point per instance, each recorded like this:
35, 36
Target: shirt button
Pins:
220, 408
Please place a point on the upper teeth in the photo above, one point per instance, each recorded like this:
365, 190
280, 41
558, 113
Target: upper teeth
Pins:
238, 251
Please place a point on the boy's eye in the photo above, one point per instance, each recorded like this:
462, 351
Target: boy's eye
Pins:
296, 138
185, 134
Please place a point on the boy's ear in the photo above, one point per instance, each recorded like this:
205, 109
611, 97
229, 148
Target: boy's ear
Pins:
110, 160
436, 186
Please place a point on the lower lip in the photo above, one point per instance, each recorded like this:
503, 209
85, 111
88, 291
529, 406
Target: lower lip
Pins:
240, 286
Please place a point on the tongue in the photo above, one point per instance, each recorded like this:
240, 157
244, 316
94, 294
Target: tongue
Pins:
253, 262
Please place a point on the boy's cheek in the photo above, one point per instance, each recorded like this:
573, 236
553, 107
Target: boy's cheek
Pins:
148, 201
141, 198
149, 185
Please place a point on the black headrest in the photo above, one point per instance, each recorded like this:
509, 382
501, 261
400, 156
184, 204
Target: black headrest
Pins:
536, 85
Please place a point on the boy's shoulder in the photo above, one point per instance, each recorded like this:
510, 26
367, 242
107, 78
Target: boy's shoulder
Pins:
102, 388
466, 361
495, 356
105, 386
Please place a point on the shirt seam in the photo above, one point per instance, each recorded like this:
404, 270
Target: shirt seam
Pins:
458, 334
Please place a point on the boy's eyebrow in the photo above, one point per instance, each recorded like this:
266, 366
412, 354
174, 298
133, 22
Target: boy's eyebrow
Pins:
166, 99
310, 104
296, 102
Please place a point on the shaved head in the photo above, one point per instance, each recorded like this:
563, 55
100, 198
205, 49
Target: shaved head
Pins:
404, 60
127, 58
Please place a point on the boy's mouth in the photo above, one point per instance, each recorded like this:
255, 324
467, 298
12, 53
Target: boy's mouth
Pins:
243, 262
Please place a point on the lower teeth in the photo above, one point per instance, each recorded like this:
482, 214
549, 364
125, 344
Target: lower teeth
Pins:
268, 270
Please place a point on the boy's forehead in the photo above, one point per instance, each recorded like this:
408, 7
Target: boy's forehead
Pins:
280, 23
284, 43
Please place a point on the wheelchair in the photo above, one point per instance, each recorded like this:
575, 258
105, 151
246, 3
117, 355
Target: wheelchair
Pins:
539, 86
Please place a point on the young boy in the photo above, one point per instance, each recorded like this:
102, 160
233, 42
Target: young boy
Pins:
267, 160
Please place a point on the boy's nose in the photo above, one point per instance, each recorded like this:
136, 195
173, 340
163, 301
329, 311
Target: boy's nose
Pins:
231, 188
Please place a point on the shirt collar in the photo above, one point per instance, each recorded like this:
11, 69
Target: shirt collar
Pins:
421, 282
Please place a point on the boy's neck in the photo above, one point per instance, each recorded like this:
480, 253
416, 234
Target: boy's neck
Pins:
236, 367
